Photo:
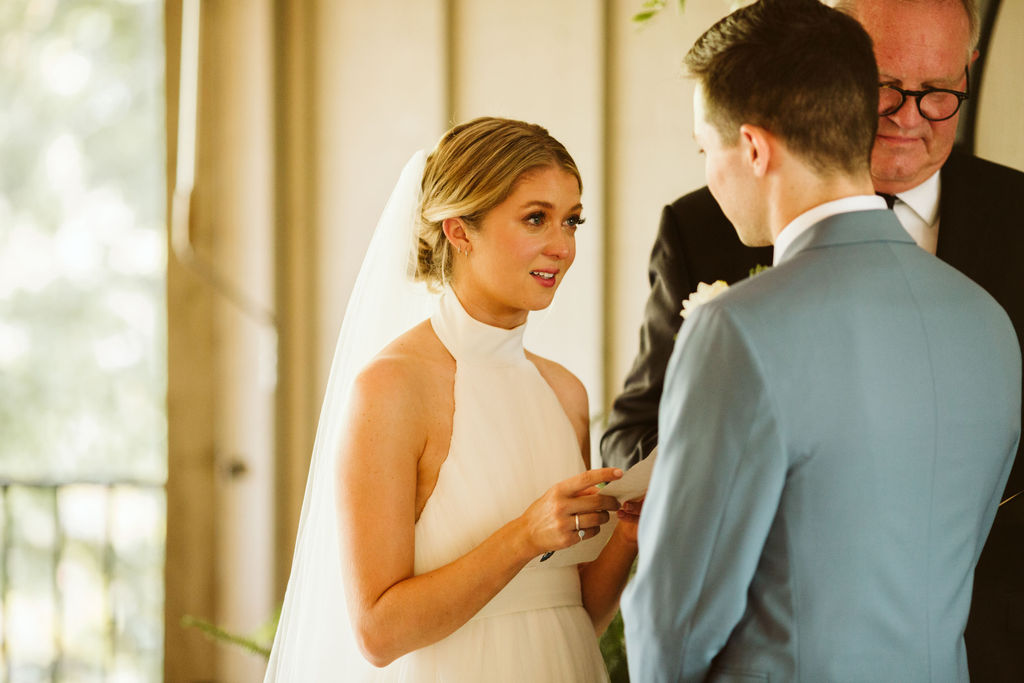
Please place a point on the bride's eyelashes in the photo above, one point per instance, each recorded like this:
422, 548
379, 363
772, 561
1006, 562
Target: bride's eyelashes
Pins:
539, 218
575, 220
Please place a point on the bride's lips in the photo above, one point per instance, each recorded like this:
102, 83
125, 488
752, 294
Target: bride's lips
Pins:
544, 277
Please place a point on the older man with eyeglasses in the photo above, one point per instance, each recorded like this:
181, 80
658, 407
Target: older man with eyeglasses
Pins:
924, 50
967, 211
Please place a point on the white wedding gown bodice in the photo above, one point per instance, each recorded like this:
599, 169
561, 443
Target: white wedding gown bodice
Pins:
511, 441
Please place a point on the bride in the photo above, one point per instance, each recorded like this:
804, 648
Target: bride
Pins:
453, 460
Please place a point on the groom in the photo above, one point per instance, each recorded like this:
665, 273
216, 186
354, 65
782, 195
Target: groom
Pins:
835, 432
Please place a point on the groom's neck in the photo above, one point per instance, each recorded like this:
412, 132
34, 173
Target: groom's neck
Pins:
800, 187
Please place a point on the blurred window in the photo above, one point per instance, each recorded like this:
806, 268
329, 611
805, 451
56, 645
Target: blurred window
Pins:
83, 435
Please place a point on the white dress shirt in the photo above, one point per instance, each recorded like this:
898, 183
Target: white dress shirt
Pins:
918, 212
801, 223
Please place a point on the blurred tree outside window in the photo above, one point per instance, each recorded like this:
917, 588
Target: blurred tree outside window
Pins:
83, 434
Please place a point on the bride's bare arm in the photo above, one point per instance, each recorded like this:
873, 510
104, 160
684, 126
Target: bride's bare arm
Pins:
394, 612
603, 579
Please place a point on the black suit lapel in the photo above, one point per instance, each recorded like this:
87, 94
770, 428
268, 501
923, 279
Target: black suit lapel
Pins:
955, 245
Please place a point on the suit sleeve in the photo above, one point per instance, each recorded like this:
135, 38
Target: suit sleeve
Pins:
713, 497
632, 430
695, 243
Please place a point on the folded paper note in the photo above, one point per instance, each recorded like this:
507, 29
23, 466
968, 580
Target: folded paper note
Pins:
631, 486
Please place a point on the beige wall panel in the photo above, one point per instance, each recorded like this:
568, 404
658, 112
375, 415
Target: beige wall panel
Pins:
1000, 135
381, 88
543, 62
652, 158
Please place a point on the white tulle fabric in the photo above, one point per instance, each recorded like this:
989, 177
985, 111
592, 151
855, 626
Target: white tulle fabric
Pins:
511, 440
313, 640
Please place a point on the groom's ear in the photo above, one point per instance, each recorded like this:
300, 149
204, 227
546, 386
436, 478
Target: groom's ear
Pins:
457, 233
758, 146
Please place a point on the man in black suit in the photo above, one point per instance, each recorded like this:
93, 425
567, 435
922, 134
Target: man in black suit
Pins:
967, 211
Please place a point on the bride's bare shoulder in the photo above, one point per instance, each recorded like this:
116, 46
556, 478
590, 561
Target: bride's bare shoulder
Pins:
413, 362
558, 376
567, 387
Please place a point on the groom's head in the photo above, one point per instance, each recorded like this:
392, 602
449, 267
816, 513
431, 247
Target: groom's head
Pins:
781, 75
797, 68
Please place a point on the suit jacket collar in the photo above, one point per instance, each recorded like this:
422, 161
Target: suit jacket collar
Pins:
854, 227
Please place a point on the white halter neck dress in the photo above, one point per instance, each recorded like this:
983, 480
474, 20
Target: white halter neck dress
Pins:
511, 441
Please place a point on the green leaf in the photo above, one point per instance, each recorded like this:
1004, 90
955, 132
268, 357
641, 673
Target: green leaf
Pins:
652, 7
648, 10
215, 632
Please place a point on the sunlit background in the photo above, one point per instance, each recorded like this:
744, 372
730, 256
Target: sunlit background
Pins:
83, 435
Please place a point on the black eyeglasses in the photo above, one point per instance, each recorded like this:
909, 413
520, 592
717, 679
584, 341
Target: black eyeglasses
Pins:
934, 104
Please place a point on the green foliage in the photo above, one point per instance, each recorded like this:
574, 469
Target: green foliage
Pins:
258, 642
613, 649
652, 8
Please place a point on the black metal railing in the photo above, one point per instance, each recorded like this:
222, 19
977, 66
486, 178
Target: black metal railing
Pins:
81, 580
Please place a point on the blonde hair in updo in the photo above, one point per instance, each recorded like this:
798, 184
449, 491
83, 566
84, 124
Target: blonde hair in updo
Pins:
475, 167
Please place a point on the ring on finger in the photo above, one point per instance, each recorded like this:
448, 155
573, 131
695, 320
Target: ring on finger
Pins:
577, 518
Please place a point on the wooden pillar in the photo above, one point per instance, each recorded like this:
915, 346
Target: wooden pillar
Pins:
221, 347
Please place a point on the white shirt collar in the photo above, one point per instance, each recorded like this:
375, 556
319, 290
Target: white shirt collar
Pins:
801, 223
924, 199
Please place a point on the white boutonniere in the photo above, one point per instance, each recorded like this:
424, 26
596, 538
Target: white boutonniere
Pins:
704, 294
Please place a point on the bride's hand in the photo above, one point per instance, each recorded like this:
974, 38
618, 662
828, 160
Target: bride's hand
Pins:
550, 521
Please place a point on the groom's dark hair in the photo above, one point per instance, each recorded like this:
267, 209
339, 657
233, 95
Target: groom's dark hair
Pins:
801, 70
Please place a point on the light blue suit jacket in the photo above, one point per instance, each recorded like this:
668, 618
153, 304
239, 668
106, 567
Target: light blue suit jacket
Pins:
835, 434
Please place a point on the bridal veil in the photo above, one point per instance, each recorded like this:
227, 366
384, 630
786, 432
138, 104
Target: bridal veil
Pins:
314, 640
